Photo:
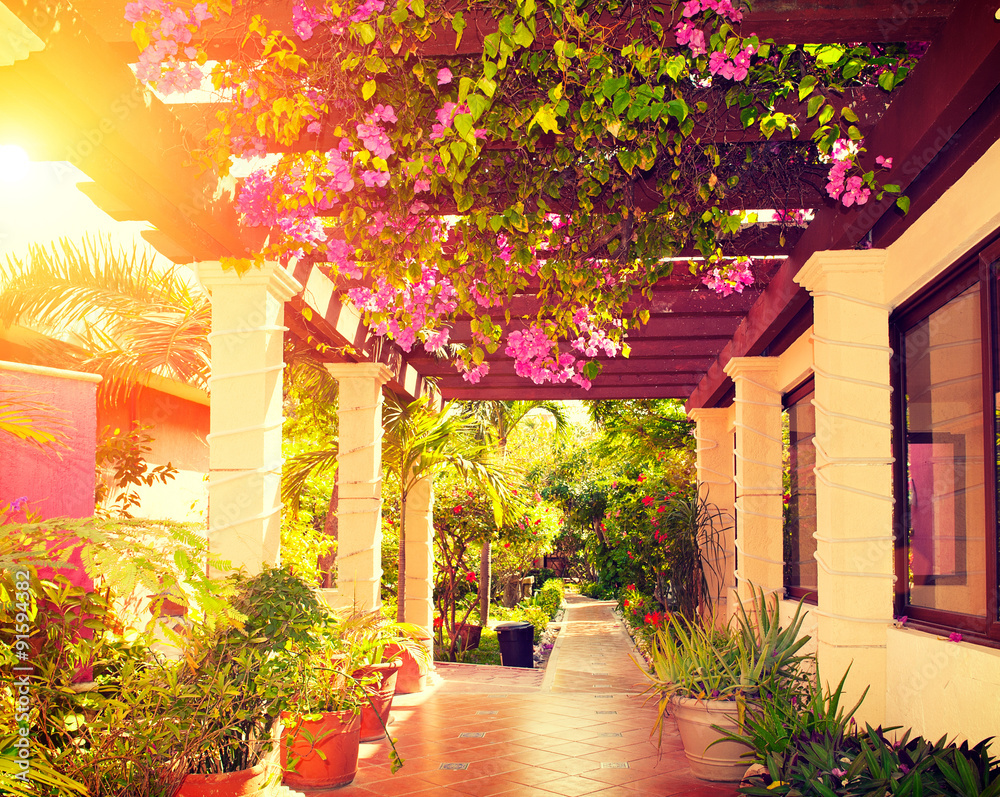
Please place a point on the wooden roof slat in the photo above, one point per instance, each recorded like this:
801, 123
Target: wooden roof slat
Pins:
786, 21
958, 72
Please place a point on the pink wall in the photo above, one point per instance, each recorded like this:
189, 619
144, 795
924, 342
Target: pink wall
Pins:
57, 483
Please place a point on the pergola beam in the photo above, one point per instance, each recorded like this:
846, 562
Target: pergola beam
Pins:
801, 22
955, 77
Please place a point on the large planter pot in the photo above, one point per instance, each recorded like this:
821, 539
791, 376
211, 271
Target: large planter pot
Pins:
468, 636
381, 695
724, 761
323, 752
261, 780
412, 675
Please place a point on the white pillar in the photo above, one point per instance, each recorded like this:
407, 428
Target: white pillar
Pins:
714, 462
244, 512
359, 480
854, 498
419, 605
759, 494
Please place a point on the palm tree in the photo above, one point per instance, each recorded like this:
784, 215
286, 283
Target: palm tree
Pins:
419, 443
496, 421
130, 317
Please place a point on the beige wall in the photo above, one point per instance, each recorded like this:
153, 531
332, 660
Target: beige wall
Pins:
179, 429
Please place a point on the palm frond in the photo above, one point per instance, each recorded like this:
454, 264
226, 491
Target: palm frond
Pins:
299, 468
25, 416
132, 317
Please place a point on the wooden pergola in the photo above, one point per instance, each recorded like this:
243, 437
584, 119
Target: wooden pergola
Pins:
77, 100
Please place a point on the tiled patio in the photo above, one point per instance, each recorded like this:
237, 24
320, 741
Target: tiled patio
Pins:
582, 728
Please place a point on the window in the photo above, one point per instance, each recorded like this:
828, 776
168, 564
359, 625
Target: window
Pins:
946, 453
798, 433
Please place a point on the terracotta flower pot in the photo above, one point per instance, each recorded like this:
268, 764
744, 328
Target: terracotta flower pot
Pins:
724, 761
381, 695
321, 753
261, 780
412, 675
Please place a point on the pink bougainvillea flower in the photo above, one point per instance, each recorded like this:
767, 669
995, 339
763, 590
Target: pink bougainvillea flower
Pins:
421, 185
954, 636
374, 178
884, 162
444, 76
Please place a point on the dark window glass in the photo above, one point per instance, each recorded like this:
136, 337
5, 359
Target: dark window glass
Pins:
800, 494
944, 455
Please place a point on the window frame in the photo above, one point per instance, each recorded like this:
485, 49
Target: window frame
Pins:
789, 399
981, 265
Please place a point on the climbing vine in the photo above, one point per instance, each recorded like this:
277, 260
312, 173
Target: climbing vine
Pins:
572, 160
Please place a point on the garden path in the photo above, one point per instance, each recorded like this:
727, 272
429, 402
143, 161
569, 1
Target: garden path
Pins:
581, 730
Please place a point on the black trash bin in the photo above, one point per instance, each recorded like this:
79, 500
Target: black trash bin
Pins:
517, 644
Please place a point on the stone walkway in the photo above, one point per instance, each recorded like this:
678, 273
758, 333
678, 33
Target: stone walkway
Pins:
581, 728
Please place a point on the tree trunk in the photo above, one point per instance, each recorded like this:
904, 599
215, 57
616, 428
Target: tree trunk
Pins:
328, 561
485, 576
401, 562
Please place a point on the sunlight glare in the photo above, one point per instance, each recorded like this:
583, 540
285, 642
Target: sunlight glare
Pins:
14, 163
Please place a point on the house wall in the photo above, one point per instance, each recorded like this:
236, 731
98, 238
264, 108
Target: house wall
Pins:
934, 685
180, 425
915, 679
58, 482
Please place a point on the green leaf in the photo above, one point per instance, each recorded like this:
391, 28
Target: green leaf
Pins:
496, 222
458, 149
815, 103
826, 114
477, 105
465, 85
545, 118
366, 33
806, 87
465, 128
678, 109
368, 90
523, 36
854, 134
458, 25
676, 66
621, 102
903, 203
417, 6
892, 188
628, 160
887, 80
848, 114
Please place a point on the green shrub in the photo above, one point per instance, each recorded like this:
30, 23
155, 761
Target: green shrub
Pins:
550, 596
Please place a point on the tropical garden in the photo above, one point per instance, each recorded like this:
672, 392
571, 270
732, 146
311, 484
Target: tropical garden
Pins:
571, 157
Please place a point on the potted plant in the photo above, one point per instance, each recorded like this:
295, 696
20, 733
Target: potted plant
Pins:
382, 647
705, 675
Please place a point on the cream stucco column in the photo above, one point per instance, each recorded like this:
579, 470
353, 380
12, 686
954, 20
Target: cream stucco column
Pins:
714, 462
854, 499
419, 605
244, 504
359, 482
759, 549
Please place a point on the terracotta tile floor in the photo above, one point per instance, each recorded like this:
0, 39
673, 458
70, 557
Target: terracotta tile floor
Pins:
581, 728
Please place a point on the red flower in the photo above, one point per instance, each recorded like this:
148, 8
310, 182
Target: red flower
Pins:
438, 622
654, 618
647, 500
626, 604
661, 508
640, 478
538, 521
631, 586
457, 510
470, 576
506, 545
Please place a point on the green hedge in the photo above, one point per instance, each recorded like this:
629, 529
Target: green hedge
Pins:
550, 596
